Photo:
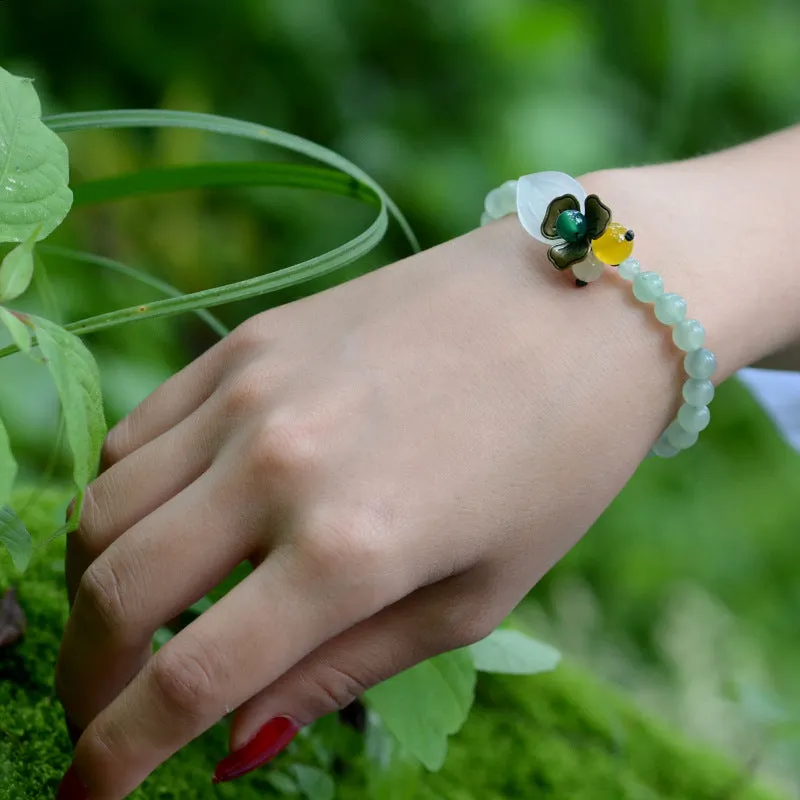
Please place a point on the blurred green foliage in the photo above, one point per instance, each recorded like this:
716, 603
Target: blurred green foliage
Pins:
687, 587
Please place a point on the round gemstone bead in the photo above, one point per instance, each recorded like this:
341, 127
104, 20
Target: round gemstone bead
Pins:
614, 246
663, 448
670, 308
588, 270
689, 335
700, 363
693, 419
679, 437
648, 287
571, 225
698, 392
629, 269
502, 200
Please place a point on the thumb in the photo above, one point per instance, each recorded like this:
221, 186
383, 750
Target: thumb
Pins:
428, 622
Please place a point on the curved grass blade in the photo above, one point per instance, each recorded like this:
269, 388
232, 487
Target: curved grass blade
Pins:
138, 275
144, 118
219, 175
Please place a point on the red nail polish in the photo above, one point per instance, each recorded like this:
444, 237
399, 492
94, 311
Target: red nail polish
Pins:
263, 747
71, 787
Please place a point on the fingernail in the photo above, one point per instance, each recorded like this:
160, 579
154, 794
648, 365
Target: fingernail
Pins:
71, 787
263, 747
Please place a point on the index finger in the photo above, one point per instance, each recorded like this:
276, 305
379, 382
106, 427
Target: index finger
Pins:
283, 611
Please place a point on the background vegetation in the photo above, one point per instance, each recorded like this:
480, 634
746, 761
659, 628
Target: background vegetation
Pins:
685, 593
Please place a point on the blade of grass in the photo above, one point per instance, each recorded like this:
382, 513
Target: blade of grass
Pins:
228, 174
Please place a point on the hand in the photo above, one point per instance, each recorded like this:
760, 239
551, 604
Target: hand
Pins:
401, 458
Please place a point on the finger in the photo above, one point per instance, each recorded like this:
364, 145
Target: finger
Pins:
430, 621
137, 485
170, 403
162, 565
285, 609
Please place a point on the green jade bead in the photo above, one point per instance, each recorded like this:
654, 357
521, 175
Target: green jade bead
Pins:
670, 308
679, 437
629, 269
700, 363
648, 287
571, 226
663, 449
689, 335
693, 419
698, 392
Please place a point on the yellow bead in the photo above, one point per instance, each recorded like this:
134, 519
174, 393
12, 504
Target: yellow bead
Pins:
615, 245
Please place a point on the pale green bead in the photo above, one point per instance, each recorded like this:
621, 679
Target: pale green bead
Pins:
679, 437
629, 269
700, 363
486, 218
689, 334
648, 287
590, 269
663, 448
670, 308
694, 419
698, 392
502, 200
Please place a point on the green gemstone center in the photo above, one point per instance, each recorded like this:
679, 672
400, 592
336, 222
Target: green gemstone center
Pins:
571, 226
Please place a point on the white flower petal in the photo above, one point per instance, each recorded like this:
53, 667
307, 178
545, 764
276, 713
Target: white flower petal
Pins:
535, 193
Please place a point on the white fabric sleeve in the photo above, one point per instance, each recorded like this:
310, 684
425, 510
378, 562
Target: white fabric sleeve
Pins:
779, 395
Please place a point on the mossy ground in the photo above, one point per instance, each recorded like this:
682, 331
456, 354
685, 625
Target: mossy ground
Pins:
557, 736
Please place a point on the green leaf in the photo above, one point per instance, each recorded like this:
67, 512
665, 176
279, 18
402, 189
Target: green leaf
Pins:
392, 772
281, 782
16, 539
8, 466
77, 379
313, 783
514, 653
16, 271
20, 333
34, 165
424, 705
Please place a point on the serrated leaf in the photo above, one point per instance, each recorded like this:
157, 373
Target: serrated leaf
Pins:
8, 466
16, 539
16, 270
20, 333
77, 379
513, 653
312, 782
424, 705
34, 165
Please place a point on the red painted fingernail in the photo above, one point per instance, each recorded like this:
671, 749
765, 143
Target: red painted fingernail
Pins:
263, 747
71, 787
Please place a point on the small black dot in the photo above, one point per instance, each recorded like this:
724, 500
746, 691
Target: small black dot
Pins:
579, 282
628, 236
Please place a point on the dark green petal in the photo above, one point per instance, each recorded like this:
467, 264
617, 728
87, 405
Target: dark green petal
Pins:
564, 203
565, 255
598, 215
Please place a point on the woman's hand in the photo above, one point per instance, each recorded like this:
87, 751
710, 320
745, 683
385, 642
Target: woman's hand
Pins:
401, 458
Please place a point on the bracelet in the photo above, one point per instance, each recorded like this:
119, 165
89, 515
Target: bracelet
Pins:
555, 210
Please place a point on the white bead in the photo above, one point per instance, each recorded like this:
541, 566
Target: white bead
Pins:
590, 269
679, 437
502, 200
670, 308
689, 335
648, 287
629, 269
535, 193
694, 419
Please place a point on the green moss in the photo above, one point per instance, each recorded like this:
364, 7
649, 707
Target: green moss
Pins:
557, 736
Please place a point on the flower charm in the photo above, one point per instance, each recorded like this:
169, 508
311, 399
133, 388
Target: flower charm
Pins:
554, 208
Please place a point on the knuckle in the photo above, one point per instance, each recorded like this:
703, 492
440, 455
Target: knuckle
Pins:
184, 679
102, 591
245, 391
289, 442
88, 538
467, 622
346, 538
115, 446
334, 687
247, 338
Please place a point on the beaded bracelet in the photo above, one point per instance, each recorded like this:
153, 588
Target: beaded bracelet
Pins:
554, 209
